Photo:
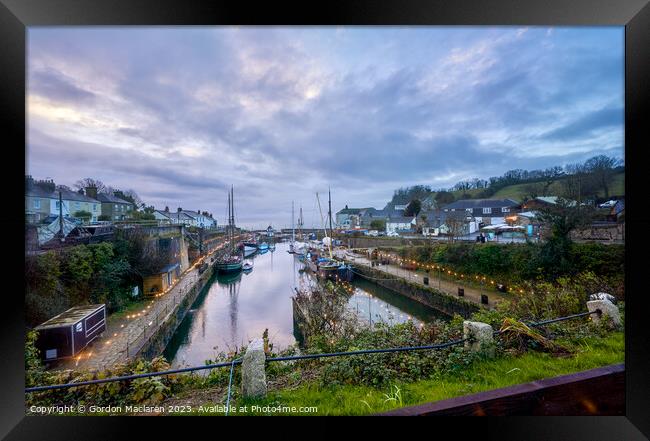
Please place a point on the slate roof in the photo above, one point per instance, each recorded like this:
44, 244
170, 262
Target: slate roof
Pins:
353, 210
464, 204
109, 198
66, 195
400, 219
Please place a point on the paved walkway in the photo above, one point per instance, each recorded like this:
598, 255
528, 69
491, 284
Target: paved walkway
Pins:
447, 286
124, 336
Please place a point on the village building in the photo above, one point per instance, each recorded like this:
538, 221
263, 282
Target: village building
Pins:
485, 211
185, 217
43, 199
349, 218
112, 207
162, 280
400, 224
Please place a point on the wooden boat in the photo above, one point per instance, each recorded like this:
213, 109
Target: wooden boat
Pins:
233, 261
247, 266
229, 264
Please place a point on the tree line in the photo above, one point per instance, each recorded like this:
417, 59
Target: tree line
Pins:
97, 273
578, 181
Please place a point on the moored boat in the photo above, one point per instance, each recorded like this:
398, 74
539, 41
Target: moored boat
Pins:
229, 264
232, 261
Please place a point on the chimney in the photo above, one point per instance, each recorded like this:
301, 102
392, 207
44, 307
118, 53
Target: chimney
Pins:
180, 209
91, 192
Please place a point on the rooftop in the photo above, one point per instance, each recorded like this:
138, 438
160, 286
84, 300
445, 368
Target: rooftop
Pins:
481, 203
70, 317
104, 197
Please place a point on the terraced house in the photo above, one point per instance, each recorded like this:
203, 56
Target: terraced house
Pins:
485, 211
43, 198
112, 207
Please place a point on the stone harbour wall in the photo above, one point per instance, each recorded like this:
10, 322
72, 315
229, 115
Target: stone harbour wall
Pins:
428, 296
159, 340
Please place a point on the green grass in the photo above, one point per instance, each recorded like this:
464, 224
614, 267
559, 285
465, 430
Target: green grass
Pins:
485, 375
131, 308
518, 191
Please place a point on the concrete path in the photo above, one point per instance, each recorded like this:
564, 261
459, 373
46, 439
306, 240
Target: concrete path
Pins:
447, 286
124, 336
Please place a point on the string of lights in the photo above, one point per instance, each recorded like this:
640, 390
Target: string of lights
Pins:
393, 259
293, 358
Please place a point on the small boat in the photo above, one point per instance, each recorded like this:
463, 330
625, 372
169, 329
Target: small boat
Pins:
345, 273
263, 246
247, 266
248, 251
327, 268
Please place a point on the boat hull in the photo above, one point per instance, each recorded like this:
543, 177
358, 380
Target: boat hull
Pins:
228, 267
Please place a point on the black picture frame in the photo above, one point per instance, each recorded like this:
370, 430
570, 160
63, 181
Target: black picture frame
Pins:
16, 15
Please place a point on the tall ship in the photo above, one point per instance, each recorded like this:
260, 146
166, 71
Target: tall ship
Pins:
232, 261
326, 266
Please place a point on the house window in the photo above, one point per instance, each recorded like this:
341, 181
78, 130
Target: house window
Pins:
116, 207
94, 207
58, 205
469, 210
487, 210
37, 203
505, 210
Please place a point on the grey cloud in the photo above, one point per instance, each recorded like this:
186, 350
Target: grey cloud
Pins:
372, 125
586, 125
57, 87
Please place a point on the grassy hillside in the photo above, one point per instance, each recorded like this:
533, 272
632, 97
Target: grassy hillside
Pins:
518, 191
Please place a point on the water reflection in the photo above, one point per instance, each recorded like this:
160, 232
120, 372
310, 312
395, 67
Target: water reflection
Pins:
233, 309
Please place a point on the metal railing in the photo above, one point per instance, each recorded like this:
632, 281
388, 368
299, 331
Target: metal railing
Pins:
294, 358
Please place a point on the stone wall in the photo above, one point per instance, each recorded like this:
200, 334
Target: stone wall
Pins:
428, 296
159, 340
605, 233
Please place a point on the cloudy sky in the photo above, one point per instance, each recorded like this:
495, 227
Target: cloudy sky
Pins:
178, 114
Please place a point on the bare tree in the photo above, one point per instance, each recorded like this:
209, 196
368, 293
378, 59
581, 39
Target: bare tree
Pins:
602, 168
90, 182
533, 190
455, 227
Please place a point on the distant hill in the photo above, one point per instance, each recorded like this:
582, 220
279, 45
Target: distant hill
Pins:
516, 191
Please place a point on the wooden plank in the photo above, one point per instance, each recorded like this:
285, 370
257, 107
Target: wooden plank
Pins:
599, 391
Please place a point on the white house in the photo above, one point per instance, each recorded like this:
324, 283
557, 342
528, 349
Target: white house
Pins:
400, 223
41, 203
186, 217
197, 219
163, 216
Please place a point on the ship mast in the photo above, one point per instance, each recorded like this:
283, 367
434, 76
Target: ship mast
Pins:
324, 227
329, 213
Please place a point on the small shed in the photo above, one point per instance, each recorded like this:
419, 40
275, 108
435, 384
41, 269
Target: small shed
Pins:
162, 280
66, 334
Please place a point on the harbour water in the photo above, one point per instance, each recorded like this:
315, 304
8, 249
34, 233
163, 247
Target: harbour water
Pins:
231, 310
